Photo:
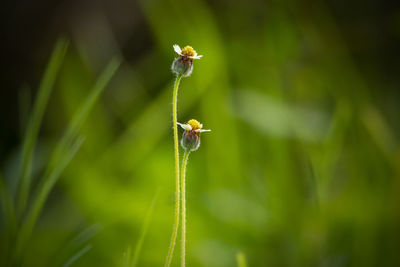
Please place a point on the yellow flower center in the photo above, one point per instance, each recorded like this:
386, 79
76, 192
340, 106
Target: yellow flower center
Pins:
194, 124
188, 51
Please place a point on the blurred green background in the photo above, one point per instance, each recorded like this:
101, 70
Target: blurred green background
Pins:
301, 167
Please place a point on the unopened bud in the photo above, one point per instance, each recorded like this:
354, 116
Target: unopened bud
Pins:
190, 140
191, 137
183, 65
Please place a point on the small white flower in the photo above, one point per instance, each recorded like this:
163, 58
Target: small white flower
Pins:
191, 136
193, 125
187, 51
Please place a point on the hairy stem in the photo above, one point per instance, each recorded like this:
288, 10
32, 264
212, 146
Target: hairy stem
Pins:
183, 244
177, 183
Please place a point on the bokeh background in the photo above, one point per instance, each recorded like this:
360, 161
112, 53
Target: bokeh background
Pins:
301, 168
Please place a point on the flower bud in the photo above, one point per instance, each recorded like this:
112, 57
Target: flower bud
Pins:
191, 137
190, 140
183, 65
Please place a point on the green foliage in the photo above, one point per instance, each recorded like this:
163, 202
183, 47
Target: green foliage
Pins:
32, 131
301, 168
143, 232
19, 228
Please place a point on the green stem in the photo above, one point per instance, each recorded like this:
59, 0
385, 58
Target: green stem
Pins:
177, 183
184, 164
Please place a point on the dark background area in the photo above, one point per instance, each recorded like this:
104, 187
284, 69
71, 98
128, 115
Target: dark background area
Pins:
370, 29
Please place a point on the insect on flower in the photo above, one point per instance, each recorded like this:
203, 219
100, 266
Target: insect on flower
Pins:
191, 137
183, 65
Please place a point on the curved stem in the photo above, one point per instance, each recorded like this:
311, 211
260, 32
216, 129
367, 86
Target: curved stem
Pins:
177, 183
184, 163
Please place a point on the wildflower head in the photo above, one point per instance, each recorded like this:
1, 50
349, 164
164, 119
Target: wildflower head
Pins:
191, 137
183, 65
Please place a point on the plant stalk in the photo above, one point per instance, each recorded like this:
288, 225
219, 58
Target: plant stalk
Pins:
183, 244
177, 182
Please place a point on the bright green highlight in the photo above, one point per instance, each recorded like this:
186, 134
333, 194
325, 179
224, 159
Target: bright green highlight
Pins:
241, 259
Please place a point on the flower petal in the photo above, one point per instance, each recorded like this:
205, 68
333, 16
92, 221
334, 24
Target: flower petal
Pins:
177, 49
196, 56
202, 130
186, 127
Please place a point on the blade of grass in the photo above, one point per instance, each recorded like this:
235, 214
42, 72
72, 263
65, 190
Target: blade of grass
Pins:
7, 205
79, 254
85, 235
45, 89
81, 115
9, 219
45, 187
64, 152
75, 244
145, 227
